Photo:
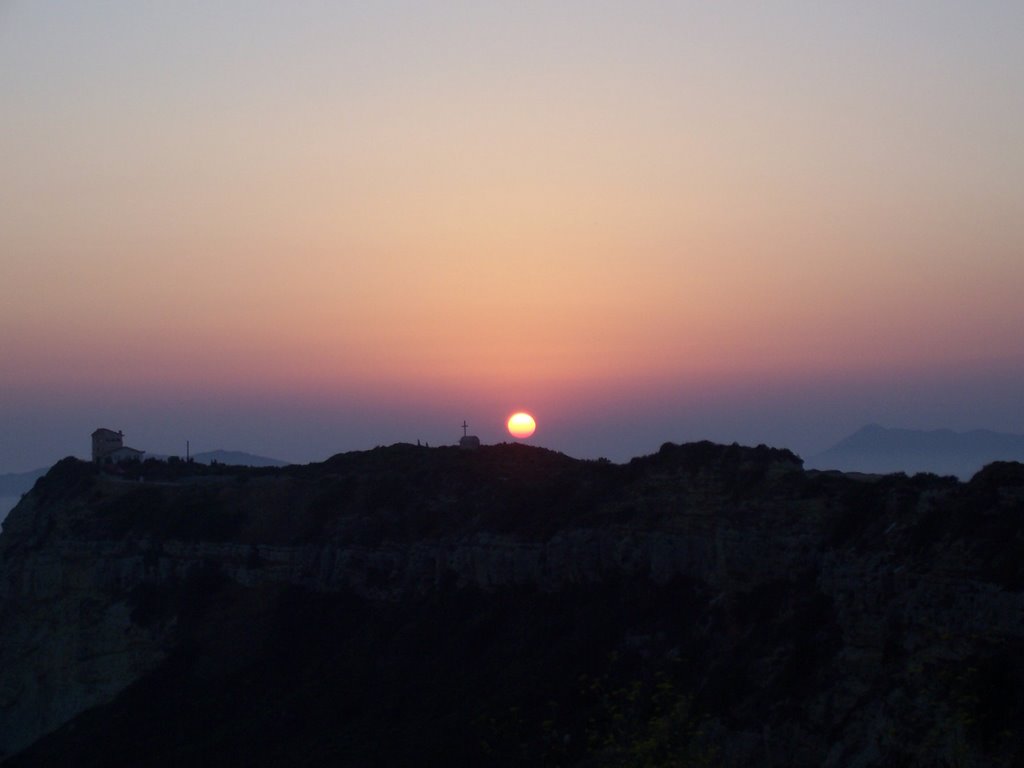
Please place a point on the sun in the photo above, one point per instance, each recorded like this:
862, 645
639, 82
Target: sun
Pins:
521, 425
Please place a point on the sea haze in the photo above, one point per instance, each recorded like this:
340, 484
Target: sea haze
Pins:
6, 505
878, 449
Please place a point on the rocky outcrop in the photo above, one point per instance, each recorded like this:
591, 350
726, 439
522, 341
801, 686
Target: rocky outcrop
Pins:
67, 638
889, 583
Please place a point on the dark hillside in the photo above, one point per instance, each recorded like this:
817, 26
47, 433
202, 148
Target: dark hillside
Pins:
704, 605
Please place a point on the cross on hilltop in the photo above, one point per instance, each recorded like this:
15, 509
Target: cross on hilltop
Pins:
468, 442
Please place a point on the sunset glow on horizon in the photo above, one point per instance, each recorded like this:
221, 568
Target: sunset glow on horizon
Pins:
742, 222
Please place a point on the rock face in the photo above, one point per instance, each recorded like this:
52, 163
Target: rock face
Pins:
716, 604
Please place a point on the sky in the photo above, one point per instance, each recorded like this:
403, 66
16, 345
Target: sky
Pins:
304, 228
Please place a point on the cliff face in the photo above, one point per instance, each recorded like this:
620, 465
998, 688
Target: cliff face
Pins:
719, 601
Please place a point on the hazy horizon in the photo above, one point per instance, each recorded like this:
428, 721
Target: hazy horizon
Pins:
309, 228
807, 420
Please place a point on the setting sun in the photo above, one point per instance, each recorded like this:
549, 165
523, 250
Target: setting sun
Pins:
521, 425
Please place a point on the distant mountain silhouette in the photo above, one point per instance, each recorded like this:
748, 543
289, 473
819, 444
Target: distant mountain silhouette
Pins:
238, 459
17, 483
878, 449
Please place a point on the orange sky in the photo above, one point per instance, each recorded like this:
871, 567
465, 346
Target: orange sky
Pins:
532, 204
